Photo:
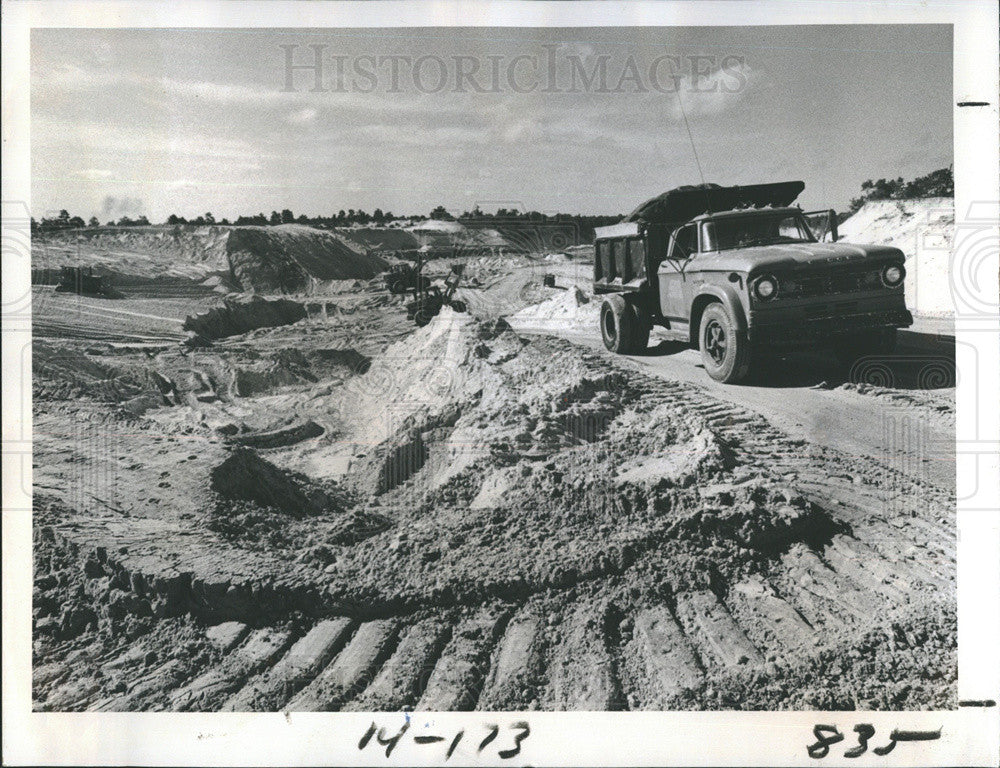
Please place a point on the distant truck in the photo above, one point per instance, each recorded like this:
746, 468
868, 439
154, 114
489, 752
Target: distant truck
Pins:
733, 271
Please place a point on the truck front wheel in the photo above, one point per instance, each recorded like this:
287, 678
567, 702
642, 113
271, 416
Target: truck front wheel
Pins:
725, 350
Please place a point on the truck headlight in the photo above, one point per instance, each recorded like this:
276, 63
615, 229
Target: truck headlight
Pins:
765, 288
893, 275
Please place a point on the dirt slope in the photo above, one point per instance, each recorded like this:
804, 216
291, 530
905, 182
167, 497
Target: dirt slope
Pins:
288, 258
486, 521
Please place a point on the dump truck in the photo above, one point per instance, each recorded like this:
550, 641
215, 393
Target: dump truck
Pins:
736, 271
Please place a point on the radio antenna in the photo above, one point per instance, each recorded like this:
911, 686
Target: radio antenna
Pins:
694, 150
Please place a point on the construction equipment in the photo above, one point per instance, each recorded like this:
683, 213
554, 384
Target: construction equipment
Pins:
428, 300
82, 280
405, 277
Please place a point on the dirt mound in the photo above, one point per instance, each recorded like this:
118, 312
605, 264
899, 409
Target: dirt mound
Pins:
151, 252
291, 257
454, 234
245, 476
573, 309
60, 373
235, 318
381, 239
548, 468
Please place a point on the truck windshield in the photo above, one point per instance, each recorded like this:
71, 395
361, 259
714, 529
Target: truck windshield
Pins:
756, 229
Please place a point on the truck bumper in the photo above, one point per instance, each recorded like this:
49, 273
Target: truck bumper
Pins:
795, 326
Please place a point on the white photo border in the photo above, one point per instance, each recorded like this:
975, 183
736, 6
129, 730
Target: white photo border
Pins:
970, 734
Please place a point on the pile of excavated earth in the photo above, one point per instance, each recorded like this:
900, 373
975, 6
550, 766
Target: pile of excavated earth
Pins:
290, 258
345, 513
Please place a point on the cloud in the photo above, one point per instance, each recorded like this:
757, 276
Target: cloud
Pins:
222, 93
93, 174
717, 92
302, 116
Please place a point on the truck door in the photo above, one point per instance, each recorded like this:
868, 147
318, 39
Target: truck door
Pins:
683, 245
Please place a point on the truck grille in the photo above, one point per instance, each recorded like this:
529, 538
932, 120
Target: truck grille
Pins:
830, 283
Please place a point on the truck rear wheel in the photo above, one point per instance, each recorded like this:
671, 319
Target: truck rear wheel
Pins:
725, 350
618, 325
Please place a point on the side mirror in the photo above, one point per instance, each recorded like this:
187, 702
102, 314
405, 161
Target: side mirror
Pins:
831, 224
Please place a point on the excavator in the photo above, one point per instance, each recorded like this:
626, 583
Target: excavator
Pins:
429, 298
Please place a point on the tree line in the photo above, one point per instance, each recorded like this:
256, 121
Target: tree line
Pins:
939, 183
343, 218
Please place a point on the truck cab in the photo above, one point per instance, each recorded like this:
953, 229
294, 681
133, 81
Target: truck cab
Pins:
735, 270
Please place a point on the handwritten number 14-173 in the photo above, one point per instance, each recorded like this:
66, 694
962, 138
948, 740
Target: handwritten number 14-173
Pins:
522, 731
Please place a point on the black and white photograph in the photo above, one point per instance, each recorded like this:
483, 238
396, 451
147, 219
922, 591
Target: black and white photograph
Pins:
452, 367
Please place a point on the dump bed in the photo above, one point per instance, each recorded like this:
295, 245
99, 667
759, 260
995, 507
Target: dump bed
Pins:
619, 256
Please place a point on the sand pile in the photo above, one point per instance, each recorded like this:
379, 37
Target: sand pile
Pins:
380, 239
923, 230
194, 253
573, 309
235, 318
289, 258
504, 467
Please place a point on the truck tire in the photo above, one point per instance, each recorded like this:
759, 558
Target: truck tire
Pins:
618, 323
725, 350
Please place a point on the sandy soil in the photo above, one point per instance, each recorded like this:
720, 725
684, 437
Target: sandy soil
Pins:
346, 512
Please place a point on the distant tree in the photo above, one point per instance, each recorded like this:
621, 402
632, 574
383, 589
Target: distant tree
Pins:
441, 214
287, 217
224, 222
64, 216
275, 218
303, 219
173, 218
939, 183
77, 223
209, 218
125, 221
93, 222
378, 217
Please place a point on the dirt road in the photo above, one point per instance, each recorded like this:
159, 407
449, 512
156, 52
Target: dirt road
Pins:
898, 410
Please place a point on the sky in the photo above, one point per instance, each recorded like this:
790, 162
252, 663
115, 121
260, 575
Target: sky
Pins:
154, 122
